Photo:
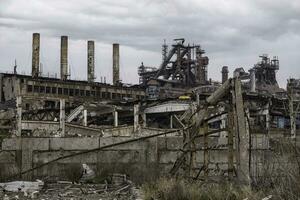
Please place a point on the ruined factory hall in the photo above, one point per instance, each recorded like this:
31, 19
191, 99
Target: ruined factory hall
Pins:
175, 122
176, 133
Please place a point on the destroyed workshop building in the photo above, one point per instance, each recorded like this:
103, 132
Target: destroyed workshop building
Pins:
176, 117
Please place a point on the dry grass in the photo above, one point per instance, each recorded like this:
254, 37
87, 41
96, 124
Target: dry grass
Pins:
281, 171
180, 189
279, 176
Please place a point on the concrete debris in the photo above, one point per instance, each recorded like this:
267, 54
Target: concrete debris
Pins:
34, 195
268, 197
22, 186
119, 179
88, 173
121, 188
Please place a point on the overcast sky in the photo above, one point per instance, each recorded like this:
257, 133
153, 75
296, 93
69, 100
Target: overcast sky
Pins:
233, 33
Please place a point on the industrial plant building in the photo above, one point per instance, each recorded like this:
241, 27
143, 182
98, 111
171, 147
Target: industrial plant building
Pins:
176, 116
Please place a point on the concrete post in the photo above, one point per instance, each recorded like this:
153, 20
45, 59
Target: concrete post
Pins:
19, 116
171, 121
136, 110
243, 171
35, 55
91, 61
205, 152
230, 157
223, 134
267, 114
252, 80
84, 117
115, 114
62, 116
25, 158
144, 117
197, 99
64, 57
292, 111
292, 117
116, 64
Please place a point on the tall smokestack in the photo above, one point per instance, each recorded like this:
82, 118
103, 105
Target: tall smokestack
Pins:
91, 61
35, 55
224, 74
116, 64
64, 57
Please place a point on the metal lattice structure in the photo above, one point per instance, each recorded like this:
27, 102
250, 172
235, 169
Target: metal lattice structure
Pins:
183, 65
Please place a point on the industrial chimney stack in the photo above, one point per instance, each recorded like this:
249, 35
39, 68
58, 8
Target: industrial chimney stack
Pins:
64, 57
35, 55
116, 64
91, 61
224, 74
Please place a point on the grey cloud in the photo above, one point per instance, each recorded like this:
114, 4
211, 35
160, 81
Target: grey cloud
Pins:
229, 29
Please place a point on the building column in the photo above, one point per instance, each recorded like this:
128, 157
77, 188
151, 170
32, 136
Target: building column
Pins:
62, 116
197, 99
223, 134
144, 117
115, 114
171, 121
84, 117
19, 115
292, 118
136, 110
267, 113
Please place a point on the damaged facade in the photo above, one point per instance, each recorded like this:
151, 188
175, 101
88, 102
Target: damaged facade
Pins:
175, 107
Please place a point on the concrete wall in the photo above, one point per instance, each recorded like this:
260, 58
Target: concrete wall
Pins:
19, 154
25, 153
11, 87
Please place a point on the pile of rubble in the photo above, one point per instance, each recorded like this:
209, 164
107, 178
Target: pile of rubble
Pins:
119, 188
